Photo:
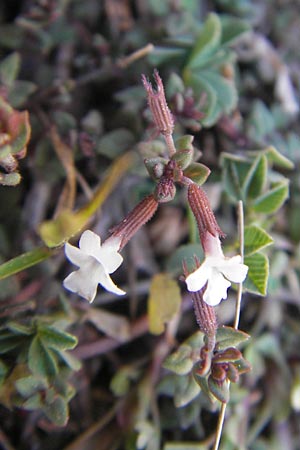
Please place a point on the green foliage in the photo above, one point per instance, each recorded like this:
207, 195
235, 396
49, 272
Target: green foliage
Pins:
206, 62
37, 353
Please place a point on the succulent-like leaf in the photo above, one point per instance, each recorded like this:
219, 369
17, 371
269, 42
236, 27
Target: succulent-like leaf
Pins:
180, 362
219, 390
197, 172
187, 390
230, 337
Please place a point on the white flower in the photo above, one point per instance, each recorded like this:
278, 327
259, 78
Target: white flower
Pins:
217, 271
95, 262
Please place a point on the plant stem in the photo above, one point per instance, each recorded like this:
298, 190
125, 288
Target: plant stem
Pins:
241, 241
220, 426
236, 318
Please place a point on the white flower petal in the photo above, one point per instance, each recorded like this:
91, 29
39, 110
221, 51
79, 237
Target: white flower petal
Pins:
78, 283
197, 279
234, 270
89, 242
108, 254
75, 255
109, 285
216, 289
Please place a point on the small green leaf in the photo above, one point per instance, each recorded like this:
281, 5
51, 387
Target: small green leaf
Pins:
180, 362
226, 93
255, 238
232, 28
273, 199
197, 172
230, 337
202, 88
24, 261
258, 273
163, 303
41, 360
28, 386
206, 43
9, 69
235, 170
183, 157
57, 411
187, 390
33, 403
161, 55
19, 328
220, 391
261, 121
56, 339
256, 177
115, 143
278, 159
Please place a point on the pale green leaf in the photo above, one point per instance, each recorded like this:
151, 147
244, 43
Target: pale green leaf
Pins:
230, 337
272, 200
197, 172
180, 362
258, 273
161, 55
220, 391
187, 390
232, 28
56, 339
9, 69
57, 411
41, 360
256, 177
278, 159
204, 89
24, 261
207, 42
28, 386
255, 238
226, 93
116, 142
163, 303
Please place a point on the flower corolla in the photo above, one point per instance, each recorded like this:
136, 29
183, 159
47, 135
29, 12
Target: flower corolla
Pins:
216, 273
95, 262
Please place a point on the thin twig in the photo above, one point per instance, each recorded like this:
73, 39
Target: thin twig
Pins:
241, 241
236, 319
220, 426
